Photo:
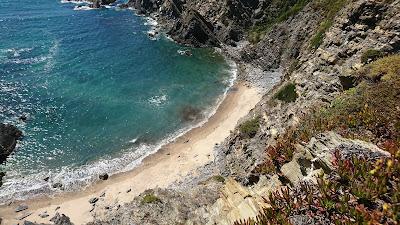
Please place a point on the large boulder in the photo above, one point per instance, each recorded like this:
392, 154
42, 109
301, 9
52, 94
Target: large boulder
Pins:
9, 135
56, 220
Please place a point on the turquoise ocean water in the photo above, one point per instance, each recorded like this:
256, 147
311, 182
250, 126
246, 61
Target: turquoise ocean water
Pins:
97, 92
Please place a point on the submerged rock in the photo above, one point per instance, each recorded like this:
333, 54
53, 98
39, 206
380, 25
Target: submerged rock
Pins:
9, 135
189, 113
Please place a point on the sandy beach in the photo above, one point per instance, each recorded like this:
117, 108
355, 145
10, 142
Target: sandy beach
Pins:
171, 163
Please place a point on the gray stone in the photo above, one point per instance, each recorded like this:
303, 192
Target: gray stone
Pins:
24, 215
93, 200
21, 208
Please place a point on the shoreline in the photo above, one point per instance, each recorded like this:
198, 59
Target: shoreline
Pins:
129, 160
170, 163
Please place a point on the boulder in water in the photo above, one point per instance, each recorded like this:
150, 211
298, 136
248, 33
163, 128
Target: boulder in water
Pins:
103, 176
9, 135
2, 174
57, 185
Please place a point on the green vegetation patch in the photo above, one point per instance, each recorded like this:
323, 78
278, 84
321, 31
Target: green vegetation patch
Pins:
150, 198
371, 55
292, 11
250, 127
218, 178
286, 9
385, 69
287, 93
330, 8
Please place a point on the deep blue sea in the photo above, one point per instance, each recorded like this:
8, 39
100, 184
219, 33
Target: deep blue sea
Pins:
98, 94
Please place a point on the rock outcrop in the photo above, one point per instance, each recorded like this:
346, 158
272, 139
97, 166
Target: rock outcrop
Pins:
56, 220
9, 135
208, 22
164, 207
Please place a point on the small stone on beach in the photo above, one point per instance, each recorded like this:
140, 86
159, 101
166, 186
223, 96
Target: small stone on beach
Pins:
23, 216
21, 208
93, 200
44, 215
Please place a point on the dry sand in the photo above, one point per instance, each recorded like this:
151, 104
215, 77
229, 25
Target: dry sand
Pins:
171, 163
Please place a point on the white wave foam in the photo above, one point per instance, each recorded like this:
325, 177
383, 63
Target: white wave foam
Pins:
133, 141
53, 51
34, 60
157, 100
16, 52
150, 22
83, 8
75, 2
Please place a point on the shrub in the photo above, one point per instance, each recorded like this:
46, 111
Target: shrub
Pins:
218, 178
296, 8
287, 93
285, 10
387, 68
249, 128
371, 55
317, 40
150, 198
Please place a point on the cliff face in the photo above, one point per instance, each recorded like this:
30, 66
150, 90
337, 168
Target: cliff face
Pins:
209, 23
316, 47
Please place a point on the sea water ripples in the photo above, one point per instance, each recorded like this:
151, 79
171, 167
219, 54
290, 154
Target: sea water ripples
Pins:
98, 95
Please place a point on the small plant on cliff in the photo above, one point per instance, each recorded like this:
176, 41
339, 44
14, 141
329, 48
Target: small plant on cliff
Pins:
371, 55
150, 198
249, 128
287, 93
219, 178
330, 8
383, 69
283, 11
